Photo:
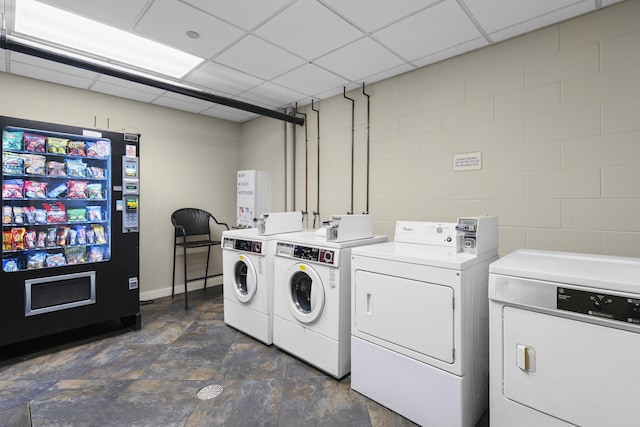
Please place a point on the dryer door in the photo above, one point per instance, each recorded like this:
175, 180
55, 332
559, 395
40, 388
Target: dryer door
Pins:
575, 371
407, 315
305, 292
244, 279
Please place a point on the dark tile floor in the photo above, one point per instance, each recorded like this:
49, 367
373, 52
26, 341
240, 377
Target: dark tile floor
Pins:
107, 376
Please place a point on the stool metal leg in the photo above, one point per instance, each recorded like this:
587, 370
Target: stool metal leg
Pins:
206, 271
186, 305
173, 276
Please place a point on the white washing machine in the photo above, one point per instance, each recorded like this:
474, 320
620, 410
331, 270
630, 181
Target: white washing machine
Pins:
419, 320
564, 340
312, 295
247, 268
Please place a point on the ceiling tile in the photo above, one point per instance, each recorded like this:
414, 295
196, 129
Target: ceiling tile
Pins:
272, 95
542, 21
51, 65
125, 89
181, 102
310, 80
259, 58
337, 90
237, 13
359, 59
451, 52
227, 113
222, 79
371, 16
131, 85
299, 49
122, 92
514, 12
117, 13
308, 29
159, 23
49, 75
256, 103
305, 101
396, 71
434, 29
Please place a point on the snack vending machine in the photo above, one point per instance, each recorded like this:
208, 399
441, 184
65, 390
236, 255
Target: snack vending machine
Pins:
70, 229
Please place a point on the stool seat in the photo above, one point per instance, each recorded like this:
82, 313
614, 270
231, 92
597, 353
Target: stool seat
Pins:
200, 243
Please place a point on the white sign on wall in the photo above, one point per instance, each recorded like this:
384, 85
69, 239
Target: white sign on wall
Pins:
467, 161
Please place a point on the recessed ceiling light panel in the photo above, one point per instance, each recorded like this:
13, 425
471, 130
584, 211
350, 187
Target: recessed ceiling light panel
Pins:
58, 27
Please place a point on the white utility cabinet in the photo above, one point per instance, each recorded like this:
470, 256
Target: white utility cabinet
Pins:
252, 196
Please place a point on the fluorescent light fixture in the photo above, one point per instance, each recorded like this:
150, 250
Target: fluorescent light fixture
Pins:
102, 63
41, 21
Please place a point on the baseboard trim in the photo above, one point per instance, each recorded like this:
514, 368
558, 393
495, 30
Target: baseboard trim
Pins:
166, 292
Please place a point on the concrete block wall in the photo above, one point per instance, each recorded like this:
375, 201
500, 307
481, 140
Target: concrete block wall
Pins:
554, 113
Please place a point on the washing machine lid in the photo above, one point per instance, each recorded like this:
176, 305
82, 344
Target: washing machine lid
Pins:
429, 255
596, 271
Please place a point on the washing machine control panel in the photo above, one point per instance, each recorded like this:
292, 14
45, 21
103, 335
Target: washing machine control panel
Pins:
242, 245
614, 307
307, 253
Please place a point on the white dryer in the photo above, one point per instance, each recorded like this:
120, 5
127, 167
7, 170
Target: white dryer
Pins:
419, 320
312, 297
247, 268
564, 340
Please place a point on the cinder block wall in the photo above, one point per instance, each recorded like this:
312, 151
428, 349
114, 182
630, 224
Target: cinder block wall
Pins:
554, 113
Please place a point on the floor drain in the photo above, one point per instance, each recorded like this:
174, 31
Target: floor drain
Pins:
209, 392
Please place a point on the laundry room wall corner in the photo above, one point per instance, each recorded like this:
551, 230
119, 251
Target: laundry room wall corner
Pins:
262, 149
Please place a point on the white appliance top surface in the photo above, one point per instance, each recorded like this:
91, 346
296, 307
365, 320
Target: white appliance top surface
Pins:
598, 271
250, 234
312, 239
428, 255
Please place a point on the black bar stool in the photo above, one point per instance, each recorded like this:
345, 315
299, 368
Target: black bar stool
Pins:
193, 230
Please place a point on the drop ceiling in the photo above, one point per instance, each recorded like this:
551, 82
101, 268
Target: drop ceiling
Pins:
276, 53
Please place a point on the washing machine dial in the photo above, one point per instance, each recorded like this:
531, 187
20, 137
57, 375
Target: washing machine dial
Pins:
635, 309
600, 302
326, 257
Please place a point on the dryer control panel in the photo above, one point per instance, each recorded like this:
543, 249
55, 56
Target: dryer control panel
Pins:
614, 307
